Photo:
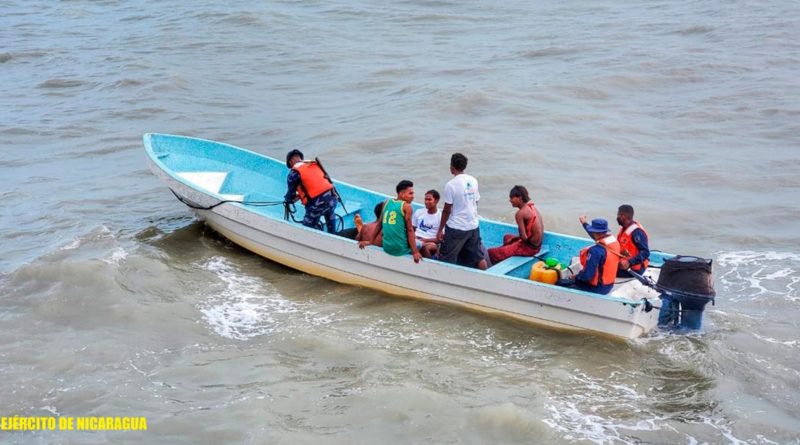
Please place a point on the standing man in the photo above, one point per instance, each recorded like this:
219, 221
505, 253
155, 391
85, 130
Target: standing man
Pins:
396, 228
461, 242
315, 190
600, 260
529, 226
633, 242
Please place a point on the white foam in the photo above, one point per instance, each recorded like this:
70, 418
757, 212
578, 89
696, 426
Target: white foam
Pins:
749, 256
725, 430
749, 275
74, 244
117, 256
591, 409
246, 307
776, 341
51, 409
569, 420
98, 234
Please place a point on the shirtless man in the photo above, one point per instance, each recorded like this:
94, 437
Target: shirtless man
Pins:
369, 232
529, 224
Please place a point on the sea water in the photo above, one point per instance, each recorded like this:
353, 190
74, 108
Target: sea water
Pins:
116, 301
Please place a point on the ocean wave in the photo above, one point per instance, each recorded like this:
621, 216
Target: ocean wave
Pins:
791, 343
751, 275
117, 257
124, 83
628, 408
246, 307
241, 19
508, 421
100, 233
61, 83
697, 29
549, 52
582, 92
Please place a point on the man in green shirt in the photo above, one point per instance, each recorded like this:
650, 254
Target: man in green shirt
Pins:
398, 233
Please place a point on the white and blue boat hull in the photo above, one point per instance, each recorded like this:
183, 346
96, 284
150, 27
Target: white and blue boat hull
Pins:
193, 168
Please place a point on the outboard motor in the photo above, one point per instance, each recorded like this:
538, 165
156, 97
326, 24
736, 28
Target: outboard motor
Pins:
686, 286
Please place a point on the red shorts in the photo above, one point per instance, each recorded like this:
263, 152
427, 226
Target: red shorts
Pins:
512, 246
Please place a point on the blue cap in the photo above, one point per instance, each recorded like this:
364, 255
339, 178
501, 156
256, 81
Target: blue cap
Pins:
599, 225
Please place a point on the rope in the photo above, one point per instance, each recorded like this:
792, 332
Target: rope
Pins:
289, 210
668, 291
247, 203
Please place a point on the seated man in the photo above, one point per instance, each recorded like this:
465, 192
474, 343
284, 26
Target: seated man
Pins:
398, 233
426, 225
600, 260
529, 224
308, 182
370, 232
633, 241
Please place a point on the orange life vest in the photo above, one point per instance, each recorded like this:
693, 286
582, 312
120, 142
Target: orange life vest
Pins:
627, 246
610, 265
312, 181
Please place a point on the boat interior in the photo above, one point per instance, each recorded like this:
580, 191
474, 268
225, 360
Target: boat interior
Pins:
234, 174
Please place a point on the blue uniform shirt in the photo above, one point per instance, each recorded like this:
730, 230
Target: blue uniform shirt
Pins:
595, 257
292, 181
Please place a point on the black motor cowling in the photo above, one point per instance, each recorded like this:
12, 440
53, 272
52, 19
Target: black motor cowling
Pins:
687, 274
687, 285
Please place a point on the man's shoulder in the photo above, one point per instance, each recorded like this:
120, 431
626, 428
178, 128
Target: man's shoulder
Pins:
452, 182
459, 181
470, 179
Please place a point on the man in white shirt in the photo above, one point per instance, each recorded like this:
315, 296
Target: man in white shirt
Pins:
426, 224
461, 242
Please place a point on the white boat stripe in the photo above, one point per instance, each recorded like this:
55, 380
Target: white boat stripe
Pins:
208, 181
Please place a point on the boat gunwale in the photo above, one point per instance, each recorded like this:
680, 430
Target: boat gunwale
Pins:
558, 289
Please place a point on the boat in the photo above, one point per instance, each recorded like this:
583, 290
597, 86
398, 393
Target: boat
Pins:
239, 194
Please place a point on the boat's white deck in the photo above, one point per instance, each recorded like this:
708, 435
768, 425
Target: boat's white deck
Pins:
211, 182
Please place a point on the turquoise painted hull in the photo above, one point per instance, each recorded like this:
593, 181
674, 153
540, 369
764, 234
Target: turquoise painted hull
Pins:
203, 173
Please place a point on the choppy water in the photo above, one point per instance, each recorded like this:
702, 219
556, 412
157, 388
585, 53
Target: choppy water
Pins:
114, 301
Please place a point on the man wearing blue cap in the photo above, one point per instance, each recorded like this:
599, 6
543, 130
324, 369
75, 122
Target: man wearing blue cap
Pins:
600, 260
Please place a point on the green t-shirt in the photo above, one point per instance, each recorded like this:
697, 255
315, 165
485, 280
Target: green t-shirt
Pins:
395, 241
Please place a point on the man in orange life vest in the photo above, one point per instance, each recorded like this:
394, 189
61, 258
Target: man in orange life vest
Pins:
600, 260
633, 243
307, 180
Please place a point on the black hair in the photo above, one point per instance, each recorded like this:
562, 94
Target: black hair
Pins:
626, 209
291, 154
520, 192
378, 209
458, 162
404, 184
433, 193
